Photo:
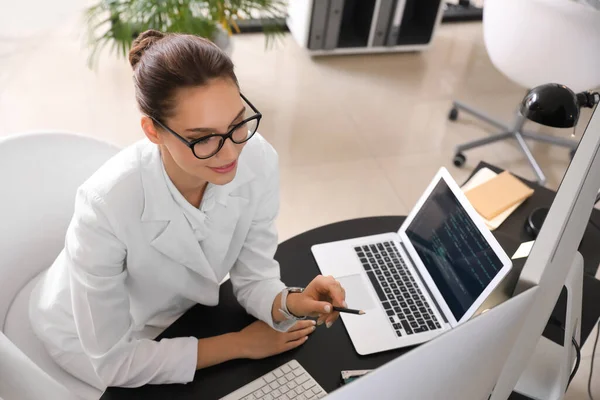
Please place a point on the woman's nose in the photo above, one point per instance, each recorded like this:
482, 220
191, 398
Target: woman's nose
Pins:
229, 151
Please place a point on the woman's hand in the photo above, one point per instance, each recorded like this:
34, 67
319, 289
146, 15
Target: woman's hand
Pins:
259, 340
317, 300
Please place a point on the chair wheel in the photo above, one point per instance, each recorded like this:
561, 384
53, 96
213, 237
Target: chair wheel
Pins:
453, 115
459, 160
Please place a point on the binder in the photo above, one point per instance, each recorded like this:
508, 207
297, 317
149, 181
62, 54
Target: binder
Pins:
384, 17
334, 22
394, 30
318, 24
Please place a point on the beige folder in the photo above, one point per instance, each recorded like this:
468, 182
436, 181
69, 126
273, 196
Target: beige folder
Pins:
498, 194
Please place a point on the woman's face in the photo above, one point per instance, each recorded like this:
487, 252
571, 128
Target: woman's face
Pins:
201, 111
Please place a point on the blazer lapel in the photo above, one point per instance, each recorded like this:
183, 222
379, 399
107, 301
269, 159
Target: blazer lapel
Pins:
172, 235
221, 224
223, 218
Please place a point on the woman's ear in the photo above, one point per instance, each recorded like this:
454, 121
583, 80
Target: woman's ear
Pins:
149, 129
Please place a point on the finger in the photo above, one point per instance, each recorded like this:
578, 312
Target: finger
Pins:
321, 307
323, 283
291, 336
332, 288
343, 295
302, 325
322, 318
294, 343
331, 319
338, 295
314, 308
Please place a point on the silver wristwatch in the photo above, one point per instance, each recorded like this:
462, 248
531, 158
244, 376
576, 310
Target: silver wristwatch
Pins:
284, 310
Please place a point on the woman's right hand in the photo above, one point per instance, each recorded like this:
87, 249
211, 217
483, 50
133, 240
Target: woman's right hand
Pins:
259, 340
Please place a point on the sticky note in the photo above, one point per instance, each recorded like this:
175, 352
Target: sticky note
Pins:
523, 250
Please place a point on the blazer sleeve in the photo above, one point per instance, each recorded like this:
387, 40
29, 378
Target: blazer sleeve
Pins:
96, 261
255, 276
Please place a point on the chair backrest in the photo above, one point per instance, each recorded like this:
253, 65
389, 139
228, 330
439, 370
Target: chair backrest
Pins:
534, 42
22, 379
39, 176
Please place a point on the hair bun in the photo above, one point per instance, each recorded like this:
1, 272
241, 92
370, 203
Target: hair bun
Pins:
143, 43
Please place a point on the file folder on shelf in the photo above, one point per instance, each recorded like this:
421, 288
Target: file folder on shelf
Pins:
394, 30
386, 7
318, 25
334, 22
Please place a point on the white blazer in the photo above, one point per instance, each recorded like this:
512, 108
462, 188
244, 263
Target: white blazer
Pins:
131, 260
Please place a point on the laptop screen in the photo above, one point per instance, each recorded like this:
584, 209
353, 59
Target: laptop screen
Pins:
459, 259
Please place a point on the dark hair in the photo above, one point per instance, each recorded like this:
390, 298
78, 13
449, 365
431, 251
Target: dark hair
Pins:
165, 62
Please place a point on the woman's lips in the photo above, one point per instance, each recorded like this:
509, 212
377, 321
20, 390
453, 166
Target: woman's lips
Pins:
225, 168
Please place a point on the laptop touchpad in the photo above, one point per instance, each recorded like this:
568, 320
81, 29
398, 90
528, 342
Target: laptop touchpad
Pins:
357, 293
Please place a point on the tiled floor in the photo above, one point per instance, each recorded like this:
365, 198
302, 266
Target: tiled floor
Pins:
357, 135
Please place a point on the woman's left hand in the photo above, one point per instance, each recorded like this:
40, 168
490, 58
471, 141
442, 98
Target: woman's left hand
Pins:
317, 300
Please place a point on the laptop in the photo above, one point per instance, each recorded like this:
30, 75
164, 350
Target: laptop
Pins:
428, 277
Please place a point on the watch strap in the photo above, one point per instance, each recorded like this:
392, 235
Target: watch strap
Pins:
283, 308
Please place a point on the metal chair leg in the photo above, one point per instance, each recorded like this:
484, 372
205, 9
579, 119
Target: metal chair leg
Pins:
570, 144
516, 131
480, 115
536, 167
482, 142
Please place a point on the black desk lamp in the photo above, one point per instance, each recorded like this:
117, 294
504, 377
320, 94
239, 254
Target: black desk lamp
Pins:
557, 106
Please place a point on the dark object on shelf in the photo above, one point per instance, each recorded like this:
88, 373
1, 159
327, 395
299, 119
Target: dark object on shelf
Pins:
355, 28
418, 22
462, 12
257, 25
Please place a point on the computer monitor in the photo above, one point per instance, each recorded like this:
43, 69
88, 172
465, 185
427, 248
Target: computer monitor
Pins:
463, 363
554, 252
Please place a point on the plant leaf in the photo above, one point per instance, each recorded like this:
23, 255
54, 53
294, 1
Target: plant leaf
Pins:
118, 22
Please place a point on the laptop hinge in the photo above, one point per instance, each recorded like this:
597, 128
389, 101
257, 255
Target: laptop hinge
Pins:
412, 262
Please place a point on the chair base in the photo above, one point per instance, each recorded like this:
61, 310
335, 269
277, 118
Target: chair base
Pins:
507, 132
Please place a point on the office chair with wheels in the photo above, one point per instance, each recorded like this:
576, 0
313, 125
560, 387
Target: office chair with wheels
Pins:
39, 175
534, 42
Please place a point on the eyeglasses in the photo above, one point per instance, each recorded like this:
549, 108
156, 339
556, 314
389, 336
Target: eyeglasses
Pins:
207, 146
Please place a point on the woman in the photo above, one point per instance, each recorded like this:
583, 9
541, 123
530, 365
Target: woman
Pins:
160, 225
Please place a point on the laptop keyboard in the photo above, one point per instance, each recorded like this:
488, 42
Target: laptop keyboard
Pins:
407, 309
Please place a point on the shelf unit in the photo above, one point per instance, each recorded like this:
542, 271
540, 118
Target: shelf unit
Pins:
401, 25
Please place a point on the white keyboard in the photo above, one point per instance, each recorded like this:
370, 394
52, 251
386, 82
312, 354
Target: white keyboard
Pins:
288, 382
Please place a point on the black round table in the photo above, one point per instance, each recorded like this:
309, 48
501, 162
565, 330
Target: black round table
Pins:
327, 351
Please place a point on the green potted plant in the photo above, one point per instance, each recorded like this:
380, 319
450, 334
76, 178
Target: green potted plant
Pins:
118, 22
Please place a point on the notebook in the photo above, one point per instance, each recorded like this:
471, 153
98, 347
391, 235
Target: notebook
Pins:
498, 194
480, 177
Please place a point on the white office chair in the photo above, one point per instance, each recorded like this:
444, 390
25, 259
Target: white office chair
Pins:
39, 176
22, 379
534, 42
